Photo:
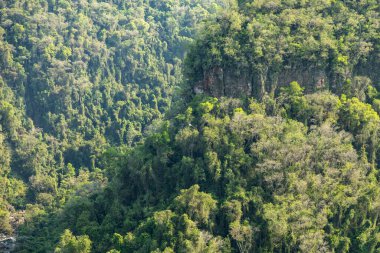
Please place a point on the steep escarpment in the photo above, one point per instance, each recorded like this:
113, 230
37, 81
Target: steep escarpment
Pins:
235, 82
261, 46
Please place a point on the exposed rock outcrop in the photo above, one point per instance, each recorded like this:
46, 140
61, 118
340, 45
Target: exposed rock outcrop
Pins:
220, 82
232, 82
7, 243
240, 82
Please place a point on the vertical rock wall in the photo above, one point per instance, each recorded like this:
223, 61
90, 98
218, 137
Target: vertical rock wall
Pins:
240, 82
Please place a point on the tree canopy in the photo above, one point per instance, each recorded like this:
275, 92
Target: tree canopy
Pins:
190, 125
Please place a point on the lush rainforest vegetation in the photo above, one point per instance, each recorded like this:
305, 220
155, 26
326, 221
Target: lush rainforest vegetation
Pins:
190, 125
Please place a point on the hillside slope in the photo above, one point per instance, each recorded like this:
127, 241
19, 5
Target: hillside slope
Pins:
77, 77
270, 145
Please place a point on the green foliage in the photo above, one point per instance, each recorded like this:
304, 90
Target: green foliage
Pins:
197, 205
239, 181
73, 244
294, 169
76, 78
323, 44
168, 231
4, 222
364, 122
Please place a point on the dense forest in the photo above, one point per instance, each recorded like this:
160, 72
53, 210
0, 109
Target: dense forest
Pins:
79, 77
190, 125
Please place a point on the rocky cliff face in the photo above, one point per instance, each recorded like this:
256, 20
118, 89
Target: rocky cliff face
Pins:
229, 82
241, 82
232, 82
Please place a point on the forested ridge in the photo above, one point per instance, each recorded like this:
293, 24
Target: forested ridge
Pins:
77, 77
190, 125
